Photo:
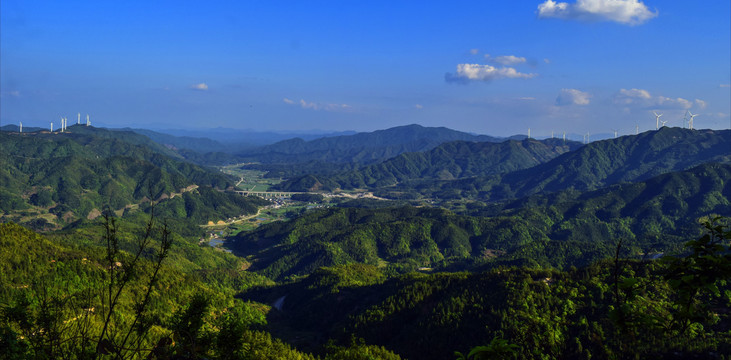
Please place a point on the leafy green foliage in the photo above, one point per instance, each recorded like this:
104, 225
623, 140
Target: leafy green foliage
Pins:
529, 314
497, 349
701, 274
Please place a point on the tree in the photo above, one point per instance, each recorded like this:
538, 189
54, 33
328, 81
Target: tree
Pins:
699, 274
50, 324
498, 348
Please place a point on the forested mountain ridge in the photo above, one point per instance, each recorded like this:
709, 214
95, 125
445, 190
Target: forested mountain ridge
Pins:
67, 176
595, 165
565, 229
625, 159
360, 148
348, 283
448, 161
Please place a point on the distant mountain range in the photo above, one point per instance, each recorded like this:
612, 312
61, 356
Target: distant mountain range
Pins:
362, 148
448, 161
602, 163
249, 137
495, 172
226, 146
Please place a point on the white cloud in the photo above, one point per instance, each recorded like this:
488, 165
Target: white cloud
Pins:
700, 103
474, 51
546, 61
643, 98
509, 60
505, 59
308, 105
724, 85
201, 87
630, 95
317, 106
572, 97
419, 106
629, 12
469, 72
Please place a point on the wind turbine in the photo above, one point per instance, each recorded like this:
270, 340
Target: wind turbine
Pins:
690, 122
664, 122
637, 129
21, 126
78, 118
87, 120
564, 136
657, 120
615, 133
528, 133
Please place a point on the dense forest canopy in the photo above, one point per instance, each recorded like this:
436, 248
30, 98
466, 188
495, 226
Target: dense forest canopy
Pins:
517, 248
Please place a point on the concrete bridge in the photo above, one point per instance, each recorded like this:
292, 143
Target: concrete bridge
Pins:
268, 194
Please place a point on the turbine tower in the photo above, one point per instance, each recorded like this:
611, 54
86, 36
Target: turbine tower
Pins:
564, 136
657, 120
528, 133
78, 118
664, 122
637, 129
87, 120
61, 123
21, 127
690, 121
615, 133
51, 126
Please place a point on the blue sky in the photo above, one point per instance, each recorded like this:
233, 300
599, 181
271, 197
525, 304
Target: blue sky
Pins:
490, 67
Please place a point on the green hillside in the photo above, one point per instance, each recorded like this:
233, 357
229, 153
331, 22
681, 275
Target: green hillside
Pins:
448, 161
596, 165
560, 230
53, 179
545, 314
53, 304
609, 250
